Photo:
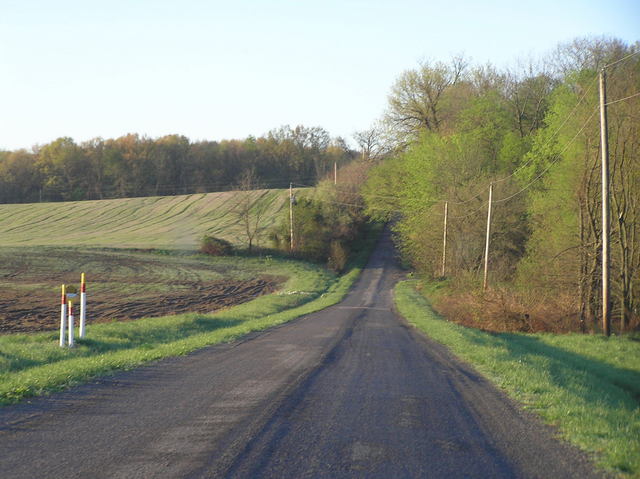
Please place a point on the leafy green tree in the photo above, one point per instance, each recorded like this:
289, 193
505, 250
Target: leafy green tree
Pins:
62, 163
19, 177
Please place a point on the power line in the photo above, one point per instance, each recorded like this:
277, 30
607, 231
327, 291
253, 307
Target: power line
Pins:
222, 186
622, 99
473, 213
453, 202
352, 193
621, 60
571, 113
399, 197
559, 156
321, 200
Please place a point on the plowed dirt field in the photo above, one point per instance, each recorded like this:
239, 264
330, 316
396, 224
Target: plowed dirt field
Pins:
121, 285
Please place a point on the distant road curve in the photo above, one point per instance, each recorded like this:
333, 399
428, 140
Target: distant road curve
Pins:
350, 391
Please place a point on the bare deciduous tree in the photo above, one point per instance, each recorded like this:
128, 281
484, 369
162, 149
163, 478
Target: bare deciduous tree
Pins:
251, 208
416, 100
372, 142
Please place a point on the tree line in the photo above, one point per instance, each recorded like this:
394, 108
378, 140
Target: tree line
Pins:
135, 165
533, 132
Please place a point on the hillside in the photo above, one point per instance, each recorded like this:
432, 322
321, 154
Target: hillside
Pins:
171, 222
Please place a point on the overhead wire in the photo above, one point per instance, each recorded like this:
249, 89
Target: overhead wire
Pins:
501, 200
322, 200
622, 99
584, 94
621, 59
453, 202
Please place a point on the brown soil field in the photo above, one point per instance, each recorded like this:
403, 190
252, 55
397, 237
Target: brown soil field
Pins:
121, 286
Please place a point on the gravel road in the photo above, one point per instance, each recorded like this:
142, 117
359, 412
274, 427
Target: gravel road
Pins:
351, 391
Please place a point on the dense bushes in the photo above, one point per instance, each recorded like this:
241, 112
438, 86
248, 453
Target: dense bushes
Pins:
327, 221
321, 233
215, 246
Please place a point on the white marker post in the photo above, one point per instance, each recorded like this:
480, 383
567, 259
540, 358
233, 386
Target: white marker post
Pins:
71, 341
63, 316
83, 305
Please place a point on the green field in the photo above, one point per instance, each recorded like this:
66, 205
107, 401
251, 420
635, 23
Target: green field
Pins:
164, 222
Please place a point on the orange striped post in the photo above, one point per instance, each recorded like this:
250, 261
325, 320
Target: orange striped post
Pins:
71, 318
83, 305
63, 315
72, 293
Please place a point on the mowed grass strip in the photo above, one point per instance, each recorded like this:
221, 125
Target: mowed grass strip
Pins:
177, 222
33, 364
587, 386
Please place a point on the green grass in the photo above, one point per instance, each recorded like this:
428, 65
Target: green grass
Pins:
176, 222
33, 364
587, 386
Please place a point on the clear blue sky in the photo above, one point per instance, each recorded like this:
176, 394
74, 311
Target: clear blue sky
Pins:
229, 69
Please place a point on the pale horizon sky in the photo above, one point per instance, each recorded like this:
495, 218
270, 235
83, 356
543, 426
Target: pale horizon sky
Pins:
213, 70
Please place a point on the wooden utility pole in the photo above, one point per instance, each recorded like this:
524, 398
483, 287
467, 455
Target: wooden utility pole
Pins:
604, 147
291, 217
485, 283
444, 238
335, 172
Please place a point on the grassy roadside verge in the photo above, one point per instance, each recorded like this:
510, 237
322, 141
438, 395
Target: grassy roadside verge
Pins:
587, 386
33, 364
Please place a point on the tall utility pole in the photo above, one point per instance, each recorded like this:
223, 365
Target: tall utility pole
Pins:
444, 238
335, 172
291, 217
486, 246
604, 147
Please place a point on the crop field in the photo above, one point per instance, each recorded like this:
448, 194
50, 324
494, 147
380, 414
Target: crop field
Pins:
122, 285
44, 245
164, 222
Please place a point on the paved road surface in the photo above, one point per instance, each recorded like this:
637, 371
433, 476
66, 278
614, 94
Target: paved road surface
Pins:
351, 391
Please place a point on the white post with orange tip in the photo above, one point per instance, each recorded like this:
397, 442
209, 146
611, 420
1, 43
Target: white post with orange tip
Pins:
83, 305
63, 316
71, 318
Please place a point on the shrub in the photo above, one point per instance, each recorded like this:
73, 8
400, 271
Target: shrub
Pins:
324, 229
338, 256
215, 246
